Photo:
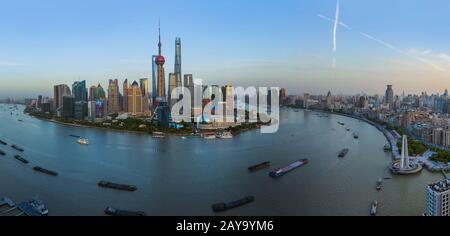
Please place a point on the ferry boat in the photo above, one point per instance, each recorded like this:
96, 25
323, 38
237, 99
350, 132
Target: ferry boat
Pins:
23, 160
379, 184
209, 137
116, 212
374, 208
219, 207
45, 171
17, 148
3, 142
225, 135
125, 187
343, 153
282, 171
259, 166
158, 135
83, 141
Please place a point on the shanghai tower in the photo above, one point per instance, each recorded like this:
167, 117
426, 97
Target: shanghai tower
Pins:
178, 62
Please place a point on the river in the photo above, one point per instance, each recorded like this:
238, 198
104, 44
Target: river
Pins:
184, 177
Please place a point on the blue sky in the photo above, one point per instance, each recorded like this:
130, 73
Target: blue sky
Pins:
242, 42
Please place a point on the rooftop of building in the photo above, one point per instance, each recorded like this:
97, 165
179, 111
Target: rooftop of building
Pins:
441, 186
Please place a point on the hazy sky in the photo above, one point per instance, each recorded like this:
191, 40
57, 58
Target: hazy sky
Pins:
243, 42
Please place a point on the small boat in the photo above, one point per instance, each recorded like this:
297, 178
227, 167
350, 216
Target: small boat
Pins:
2, 153
184, 138
209, 137
83, 141
259, 166
343, 153
74, 136
219, 207
379, 184
116, 212
355, 136
17, 148
282, 171
387, 147
20, 120
124, 187
225, 135
348, 129
45, 171
374, 208
3, 142
23, 160
159, 135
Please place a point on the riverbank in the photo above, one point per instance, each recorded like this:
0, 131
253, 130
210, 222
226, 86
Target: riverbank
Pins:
149, 127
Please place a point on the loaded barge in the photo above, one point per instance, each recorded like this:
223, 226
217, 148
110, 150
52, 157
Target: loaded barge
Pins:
282, 171
219, 207
116, 212
45, 171
259, 166
124, 187
23, 160
17, 148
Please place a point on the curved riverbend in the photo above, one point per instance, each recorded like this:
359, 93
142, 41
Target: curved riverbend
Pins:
184, 177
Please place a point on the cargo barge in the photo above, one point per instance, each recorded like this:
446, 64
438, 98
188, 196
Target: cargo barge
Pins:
17, 148
219, 207
23, 160
45, 171
343, 153
124, 187
259, 166
282, 171
116, 212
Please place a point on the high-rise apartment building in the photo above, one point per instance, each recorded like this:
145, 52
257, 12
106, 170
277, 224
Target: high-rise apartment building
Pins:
438, 199
389, 97
125, 95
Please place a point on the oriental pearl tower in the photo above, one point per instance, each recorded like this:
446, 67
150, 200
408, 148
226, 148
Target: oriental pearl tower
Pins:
160, 60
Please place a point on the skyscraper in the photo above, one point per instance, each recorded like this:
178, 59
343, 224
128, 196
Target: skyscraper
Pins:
172, 85
59, 91
135, 107
80, 95
389, 97
125, 95
160, 60
178, 62
113, 96
79, 91
144, 86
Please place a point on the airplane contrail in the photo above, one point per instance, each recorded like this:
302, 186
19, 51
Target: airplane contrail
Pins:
388, 45
336, 23
331, 20
381, 42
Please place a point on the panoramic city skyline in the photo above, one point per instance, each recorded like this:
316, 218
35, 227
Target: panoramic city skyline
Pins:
292, 48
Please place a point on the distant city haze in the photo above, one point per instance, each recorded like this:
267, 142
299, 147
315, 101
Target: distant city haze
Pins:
287, 43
